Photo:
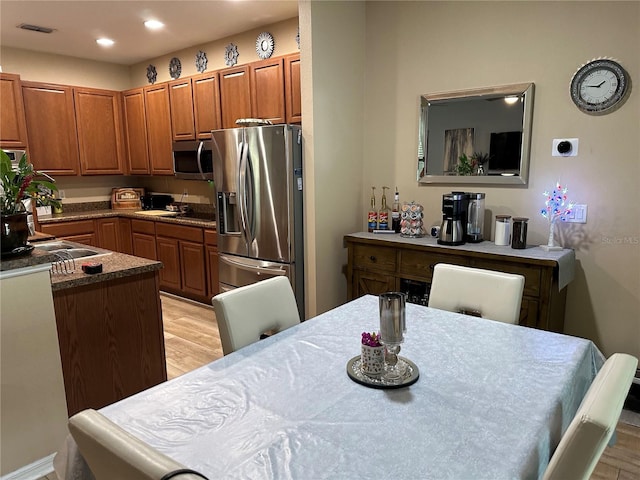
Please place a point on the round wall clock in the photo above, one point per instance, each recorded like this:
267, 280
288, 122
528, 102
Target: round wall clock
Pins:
175, 67
600, 86
231, 55
152, 74
264, 45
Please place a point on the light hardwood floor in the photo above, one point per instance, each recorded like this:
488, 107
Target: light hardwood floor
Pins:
192, 340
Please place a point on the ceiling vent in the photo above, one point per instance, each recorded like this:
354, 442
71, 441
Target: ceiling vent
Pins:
35, 28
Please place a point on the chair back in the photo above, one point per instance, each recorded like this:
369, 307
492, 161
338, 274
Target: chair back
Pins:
484, 293
114, 454
246, 313
582, 444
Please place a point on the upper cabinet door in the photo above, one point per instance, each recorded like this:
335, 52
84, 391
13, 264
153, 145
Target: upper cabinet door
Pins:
206, 104
135, 132
267, 90
181, 100
13, 129
235, 95
292, 88
99, 124
159, 136
50, 116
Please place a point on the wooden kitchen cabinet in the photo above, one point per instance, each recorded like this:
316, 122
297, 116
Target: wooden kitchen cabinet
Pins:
108, 233
206, 104
181, 250
235, 95
125, 240
111, 340
293, 94
378, 265
181, 101
158, 123
212, 263
135, 126
195, 106
143, 236
49, 111
267, 90
80, 231
13, 127
99, 127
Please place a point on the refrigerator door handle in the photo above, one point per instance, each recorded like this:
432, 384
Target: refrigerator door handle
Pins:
253, 268
242, 190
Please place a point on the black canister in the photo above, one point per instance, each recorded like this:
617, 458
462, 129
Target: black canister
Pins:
519, 233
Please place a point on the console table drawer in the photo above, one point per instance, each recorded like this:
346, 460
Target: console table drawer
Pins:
531, 273
374, 257
421, 264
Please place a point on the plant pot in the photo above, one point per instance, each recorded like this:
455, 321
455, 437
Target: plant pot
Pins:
15, 231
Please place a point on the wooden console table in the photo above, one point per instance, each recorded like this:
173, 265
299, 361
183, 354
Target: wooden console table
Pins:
388, 262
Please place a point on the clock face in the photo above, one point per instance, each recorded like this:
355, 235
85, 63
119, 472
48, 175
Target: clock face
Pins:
599, 86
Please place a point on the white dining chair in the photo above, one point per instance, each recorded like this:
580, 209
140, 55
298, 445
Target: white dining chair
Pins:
475, 291
246, 313
114, 454
587, 436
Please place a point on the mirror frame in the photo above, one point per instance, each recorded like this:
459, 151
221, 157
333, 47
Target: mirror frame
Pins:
520, 89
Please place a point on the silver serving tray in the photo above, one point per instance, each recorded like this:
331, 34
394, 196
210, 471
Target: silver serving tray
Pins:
355, 373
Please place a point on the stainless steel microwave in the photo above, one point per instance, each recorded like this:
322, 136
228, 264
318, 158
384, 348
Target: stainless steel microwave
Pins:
193, 160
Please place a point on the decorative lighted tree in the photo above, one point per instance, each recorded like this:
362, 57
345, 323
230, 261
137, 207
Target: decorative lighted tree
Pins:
557, 207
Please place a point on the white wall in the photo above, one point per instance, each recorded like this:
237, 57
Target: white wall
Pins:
422, 47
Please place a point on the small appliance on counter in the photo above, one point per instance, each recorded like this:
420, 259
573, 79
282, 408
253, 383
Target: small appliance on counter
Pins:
475, 218
156, 202
126, 198
453, 230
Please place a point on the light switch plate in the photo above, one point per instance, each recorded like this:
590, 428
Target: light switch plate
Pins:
578, 214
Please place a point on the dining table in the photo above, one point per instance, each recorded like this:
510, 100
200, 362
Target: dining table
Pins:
491, 401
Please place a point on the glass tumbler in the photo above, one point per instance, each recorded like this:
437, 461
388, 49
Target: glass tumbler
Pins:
519, 233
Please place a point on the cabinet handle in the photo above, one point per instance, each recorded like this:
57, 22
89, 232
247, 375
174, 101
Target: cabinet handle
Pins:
373, 258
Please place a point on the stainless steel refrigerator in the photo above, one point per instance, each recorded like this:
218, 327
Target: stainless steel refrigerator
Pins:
258, 181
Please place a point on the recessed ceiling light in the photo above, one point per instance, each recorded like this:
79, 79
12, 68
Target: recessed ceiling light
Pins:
105, 42
153, 24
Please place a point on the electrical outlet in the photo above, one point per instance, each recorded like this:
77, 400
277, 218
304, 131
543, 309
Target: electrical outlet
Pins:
564, 147
61, 194
578, 214
185, 193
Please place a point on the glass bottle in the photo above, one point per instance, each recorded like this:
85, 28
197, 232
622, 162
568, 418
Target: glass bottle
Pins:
384, 213
372, 216
519, 235
395, 213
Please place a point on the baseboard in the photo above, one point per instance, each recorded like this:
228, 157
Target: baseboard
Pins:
33, 471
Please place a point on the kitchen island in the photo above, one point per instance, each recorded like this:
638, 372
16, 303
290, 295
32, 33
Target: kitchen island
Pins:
109, 325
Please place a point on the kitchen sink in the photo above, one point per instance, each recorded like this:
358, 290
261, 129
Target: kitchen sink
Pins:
68, 250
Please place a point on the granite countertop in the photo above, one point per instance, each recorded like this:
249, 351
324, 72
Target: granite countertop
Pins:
106, 213
114, 265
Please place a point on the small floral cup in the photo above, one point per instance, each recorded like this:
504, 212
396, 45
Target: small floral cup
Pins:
372, 360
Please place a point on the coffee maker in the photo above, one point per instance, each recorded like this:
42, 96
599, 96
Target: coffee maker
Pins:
453, 230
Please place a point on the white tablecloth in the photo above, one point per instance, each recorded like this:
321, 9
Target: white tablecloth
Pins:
492, 402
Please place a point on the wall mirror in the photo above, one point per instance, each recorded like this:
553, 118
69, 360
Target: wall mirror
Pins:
479, 136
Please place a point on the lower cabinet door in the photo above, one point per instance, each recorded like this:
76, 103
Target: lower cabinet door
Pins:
372, 283
192, 267
169, 255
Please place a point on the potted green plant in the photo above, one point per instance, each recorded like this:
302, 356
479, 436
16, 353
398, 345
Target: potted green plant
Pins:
465, 165
17, 184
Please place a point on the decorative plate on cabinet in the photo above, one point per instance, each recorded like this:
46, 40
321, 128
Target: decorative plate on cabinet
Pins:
175, 68
231, 55
201, 61
152, 74
264, 45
